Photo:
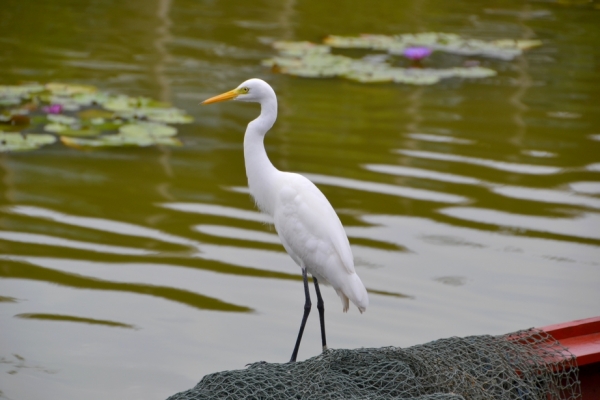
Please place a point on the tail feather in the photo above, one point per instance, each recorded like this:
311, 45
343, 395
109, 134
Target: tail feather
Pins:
354, 291
344, 298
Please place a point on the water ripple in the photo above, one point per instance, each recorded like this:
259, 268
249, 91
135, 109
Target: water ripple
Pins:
438, 138
500, 165
547, 196
71, 318
585, 187
383, 188
101, 224
66, 272
421, 173
46, 240
222, 211
237, 233
516, 192
584, 225
595, 167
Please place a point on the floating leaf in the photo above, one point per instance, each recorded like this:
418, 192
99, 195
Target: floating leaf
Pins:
146, 102
284, 62
16, 141
119, 140
375, 76
90, 99
61, 119
147, 129
86, 117
311, 60
9, 101
120, 103
375, 42
297, 49
474, 72
20, 92
66, 89
166, 115
528, 44
55, 127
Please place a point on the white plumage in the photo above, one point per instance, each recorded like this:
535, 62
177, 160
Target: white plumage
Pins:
314, 237
306, 223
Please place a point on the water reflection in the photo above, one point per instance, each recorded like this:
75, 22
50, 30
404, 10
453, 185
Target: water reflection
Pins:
72, 318
46, 240
471, 206
115, 227
222, 211
581, 225
547, 196
18, 267
382, 188
516, 192
438, 138
422, 173
237, 233
585, 187
499, 165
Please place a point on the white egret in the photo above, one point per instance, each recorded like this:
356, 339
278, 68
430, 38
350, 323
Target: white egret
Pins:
306, 223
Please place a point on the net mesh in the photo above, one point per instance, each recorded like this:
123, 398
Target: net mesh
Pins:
524, 365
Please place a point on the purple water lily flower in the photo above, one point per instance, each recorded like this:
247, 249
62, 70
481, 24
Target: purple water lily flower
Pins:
53, 109
417, 53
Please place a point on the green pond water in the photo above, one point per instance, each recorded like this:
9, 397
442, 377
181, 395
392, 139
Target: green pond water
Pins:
472, 205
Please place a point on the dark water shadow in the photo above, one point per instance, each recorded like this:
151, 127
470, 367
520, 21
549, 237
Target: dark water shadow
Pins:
71, 318
16, 270
391, 294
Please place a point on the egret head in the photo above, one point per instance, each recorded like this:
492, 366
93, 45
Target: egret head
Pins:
252, 90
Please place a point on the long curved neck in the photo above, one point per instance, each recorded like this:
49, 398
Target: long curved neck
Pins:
260, 171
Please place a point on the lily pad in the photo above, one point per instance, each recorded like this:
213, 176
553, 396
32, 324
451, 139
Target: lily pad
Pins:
90, 99
147, 129
166, 115
83, 116
375, 76
120, 103
66, 89
61, 119
9, 100
16, 141
19, 91
312, 60
366, 71
120, 140
505, 49
297, 49
55, 127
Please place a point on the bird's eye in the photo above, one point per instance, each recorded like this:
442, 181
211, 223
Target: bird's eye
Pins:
245, 90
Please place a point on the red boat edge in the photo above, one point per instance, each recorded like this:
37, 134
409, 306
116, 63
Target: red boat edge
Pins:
582, 339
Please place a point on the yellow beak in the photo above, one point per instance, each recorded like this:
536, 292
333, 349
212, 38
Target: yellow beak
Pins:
232, 94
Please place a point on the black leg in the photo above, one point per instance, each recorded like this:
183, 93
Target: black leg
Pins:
321, 308
307, 306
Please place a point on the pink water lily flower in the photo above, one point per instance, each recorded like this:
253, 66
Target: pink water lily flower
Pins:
53, 109
417, 53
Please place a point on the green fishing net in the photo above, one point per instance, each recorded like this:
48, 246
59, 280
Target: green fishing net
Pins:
524, 365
